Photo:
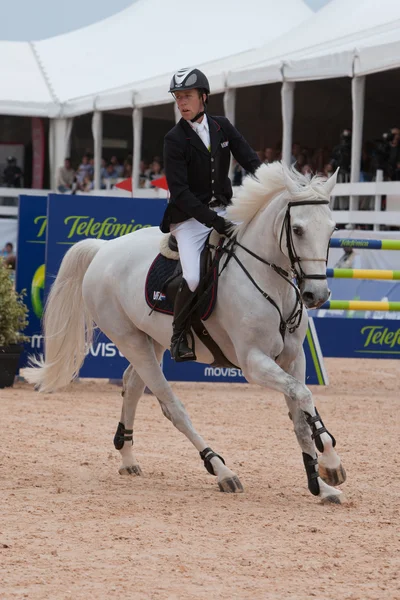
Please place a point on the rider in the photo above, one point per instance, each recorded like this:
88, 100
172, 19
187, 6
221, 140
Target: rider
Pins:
197, 153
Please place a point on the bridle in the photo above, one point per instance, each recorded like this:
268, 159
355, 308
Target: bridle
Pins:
295, 260
293, 321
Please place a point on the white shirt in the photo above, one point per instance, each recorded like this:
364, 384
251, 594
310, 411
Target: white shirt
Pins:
203, 131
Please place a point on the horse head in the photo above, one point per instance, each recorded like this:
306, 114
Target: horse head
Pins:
294, 208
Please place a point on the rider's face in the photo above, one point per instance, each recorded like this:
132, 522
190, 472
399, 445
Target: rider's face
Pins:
190, 103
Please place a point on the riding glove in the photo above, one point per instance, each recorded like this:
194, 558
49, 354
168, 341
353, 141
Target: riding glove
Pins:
223, 226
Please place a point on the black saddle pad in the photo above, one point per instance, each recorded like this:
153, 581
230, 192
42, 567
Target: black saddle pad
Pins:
160, 272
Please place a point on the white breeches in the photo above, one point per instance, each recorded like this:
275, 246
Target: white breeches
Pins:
191, 236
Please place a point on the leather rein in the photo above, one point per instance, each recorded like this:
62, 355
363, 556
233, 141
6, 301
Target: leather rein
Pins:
293, 321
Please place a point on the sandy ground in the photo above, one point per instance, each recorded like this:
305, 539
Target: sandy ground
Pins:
71, 527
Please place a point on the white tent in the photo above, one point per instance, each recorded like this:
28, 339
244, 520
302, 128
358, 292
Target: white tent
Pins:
132, 49
24, 90
344, 38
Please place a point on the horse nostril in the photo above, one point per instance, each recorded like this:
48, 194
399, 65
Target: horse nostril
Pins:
308, 297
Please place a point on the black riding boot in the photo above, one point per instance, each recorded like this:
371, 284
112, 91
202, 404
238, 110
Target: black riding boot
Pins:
180, 349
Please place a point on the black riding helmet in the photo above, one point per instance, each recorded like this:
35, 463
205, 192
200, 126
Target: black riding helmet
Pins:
190, 79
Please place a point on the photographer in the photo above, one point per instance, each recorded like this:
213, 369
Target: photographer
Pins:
387, 153
341, 157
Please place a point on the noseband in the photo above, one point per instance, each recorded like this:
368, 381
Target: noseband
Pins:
293, 321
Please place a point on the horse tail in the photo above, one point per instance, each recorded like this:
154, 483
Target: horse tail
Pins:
68, 325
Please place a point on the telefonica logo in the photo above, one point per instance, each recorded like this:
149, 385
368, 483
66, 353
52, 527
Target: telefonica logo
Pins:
88, 227
42, 222
350, 243
379, 338
222, 372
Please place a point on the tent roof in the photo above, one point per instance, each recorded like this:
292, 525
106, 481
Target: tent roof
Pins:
127, 59
326, 46
135, 47
24, 89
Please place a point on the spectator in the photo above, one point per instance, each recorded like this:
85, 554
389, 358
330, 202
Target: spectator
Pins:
7, 251
103, 170
328, 170
119, 169
12, 175
111, 176
84, 169
87, 184
296, 149
142, 174
155, 171
269, 155
349, 260
127, 170
65, 177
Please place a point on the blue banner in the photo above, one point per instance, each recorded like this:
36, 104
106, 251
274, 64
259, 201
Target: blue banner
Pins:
75, 218
32, 222
359, 338
190, 371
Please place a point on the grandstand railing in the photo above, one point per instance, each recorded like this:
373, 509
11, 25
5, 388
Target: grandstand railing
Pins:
354, 192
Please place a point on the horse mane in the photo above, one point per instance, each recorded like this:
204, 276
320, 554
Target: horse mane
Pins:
258, 190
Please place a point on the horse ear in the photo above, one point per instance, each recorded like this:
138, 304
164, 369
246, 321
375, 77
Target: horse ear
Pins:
331, 182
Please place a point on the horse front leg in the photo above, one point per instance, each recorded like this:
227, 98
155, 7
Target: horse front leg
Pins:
264, 371
310, 429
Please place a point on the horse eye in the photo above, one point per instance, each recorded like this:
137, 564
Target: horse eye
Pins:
298, 231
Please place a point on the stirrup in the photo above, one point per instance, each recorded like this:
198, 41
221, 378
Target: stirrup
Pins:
186, 356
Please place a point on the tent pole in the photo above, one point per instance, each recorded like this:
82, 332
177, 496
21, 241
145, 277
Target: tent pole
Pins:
137, 117
287, 99
230, 113
97, 130
59, 146
358, 98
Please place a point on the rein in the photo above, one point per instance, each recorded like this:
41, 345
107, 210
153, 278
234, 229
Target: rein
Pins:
293, 321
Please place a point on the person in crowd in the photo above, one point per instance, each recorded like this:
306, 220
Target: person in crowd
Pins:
349, 260
7, 251
111, 176
393, 152
269, 155
296, 150
65, 177
155, 171
143, 170
84, 169
87, 184
119, 169
12, 174
197, 153
103, 173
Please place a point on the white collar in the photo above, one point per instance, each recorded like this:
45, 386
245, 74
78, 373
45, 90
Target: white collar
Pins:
200, 126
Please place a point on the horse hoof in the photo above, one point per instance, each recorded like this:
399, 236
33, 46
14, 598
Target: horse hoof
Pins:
231, 485
334, 499
332, 476
133, 470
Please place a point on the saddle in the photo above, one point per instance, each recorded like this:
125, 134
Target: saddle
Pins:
163, 280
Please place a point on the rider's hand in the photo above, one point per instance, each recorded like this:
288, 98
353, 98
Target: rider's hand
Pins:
223, 226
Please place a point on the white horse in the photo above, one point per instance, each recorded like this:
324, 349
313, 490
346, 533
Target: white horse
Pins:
259, 321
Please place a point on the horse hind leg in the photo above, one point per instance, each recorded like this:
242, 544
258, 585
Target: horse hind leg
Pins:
132, 391
145, 354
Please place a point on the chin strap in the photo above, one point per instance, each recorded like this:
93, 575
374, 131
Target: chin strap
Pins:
197, 117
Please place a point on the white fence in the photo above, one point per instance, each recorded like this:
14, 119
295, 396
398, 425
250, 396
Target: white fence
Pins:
353, 195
